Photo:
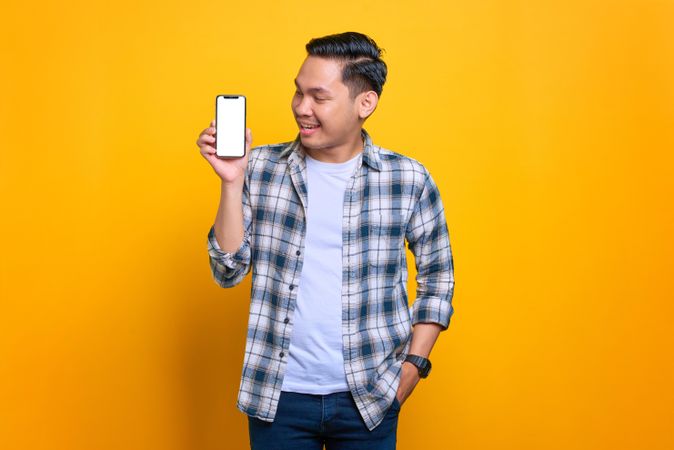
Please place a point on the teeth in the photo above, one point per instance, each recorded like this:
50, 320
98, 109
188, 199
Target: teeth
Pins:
309, 127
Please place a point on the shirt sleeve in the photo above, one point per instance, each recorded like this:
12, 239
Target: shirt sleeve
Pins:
230, 268
428, 239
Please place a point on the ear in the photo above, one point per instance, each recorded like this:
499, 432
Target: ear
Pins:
367, 103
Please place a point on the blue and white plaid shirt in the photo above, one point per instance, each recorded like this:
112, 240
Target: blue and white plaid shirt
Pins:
390, 198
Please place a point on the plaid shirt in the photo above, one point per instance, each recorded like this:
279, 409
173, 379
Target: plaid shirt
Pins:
390, 198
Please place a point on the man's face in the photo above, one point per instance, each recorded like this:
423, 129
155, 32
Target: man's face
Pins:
323, 109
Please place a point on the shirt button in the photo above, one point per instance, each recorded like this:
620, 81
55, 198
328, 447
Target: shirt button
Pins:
286, 320
281, 354
298, 252
291, 287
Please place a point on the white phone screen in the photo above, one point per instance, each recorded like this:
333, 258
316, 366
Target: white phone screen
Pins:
230, 125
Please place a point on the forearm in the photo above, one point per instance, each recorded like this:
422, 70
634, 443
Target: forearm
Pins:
424, 336
229, 230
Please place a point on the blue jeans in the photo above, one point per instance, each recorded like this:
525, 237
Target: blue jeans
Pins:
307, 421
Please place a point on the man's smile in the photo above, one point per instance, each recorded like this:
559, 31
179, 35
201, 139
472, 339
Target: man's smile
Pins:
308, 128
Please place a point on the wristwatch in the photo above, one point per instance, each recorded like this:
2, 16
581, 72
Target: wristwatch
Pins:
423, 364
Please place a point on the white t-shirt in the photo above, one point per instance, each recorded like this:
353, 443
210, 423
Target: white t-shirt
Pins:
315, 359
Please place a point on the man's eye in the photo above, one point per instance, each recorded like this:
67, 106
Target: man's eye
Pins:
297, 92
319, 99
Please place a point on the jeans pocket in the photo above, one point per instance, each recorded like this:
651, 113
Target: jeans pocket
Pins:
396, 404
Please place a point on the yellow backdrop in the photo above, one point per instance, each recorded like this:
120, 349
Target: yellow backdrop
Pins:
548, 126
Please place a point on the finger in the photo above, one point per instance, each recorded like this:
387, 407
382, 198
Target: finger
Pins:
205, 139
249, 138
207, 150
213, 122
207, 132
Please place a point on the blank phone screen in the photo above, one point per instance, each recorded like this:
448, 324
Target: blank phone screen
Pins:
230, 136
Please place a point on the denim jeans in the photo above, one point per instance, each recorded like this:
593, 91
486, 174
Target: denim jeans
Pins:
308, 421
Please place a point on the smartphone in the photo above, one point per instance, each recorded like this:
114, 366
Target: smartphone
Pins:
230, 125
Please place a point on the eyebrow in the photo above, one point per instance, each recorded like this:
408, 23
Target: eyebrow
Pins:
314, 89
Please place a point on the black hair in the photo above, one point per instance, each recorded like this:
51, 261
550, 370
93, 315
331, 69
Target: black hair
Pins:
362, 66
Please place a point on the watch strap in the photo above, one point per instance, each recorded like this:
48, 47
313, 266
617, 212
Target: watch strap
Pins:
422, 364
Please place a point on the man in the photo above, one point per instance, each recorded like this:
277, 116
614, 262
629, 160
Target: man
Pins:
333, 350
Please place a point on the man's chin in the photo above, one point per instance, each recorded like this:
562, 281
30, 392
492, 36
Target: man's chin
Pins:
309, 142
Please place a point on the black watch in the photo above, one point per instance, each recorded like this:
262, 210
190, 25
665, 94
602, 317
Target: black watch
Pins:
423, 364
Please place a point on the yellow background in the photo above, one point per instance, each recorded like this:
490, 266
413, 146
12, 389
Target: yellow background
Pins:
548, 126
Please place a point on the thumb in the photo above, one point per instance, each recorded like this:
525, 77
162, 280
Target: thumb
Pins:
249, 139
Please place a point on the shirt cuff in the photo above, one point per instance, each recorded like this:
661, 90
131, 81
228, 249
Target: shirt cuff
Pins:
229, 259
433, 310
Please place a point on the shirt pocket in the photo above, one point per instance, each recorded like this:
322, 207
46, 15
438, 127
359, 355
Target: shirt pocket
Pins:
386, 239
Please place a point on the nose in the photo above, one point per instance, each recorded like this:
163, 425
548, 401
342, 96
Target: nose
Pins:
302, 106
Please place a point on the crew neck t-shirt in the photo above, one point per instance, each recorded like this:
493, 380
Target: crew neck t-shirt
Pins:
315, 359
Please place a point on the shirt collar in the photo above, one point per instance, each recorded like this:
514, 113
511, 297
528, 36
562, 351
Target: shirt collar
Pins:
295, 150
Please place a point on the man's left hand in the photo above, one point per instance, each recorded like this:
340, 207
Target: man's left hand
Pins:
408, 381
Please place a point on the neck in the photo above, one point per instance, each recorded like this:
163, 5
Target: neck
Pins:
338, 154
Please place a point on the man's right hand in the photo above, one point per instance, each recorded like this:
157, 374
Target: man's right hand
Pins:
230, 170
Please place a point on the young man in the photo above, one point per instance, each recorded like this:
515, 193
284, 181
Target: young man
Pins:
333, 350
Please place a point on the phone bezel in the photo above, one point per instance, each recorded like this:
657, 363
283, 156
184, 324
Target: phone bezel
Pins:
245, 112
